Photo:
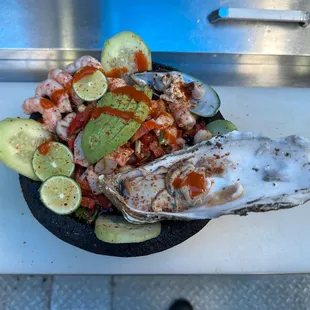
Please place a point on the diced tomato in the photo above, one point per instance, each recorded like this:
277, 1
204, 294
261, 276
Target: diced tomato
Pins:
200, 125
86, 191
156, 149
102, 201
191, 132
148, 138
80, 121
83, 183
88, 203
144, 129
71, 144
78, 171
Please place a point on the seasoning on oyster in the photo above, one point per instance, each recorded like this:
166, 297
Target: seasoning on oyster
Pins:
231, 174
178, 87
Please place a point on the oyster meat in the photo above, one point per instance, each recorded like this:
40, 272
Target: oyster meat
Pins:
231, 174
180, 87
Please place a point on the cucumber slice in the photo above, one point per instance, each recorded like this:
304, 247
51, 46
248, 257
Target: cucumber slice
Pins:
60, 194
19, 138
122, 52
221, 127
57, 161
115, 229
90, 87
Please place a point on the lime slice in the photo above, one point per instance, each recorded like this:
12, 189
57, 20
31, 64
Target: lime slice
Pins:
90, 84
58, 160
60, 194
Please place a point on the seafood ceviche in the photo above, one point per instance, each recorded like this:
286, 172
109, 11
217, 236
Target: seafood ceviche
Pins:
115, 138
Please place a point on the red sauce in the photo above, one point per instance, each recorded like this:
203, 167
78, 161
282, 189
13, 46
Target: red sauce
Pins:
45, 146
195, 181
126, 115
46, 104
56, 95
133, 93
81, 74
68, 87
187, 89
116, 73
141, 61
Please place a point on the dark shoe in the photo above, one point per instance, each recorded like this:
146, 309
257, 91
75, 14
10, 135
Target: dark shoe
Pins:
181, 304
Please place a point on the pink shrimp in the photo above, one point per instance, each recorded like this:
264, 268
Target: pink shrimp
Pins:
65, 80
114, 83
164, 120
83, 62
50, 113
182, 115
62, 126
108, 164
56, 93
79, 156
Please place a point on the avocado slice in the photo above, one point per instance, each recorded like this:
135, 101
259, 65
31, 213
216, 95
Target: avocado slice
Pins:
106, 133
126, 133
119, 126
146, 90
94, 129
109, 100
116, 124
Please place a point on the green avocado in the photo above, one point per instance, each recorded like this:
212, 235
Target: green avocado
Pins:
146, 90
106, 133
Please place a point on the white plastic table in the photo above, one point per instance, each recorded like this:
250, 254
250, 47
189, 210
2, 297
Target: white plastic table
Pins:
273, 242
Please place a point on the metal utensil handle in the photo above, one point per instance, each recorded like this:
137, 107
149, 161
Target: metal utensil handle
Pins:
286, 16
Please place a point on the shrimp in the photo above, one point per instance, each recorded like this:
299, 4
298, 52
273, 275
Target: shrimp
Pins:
114, 83
92, 179
202, 135
79, 156
65, 80
83, 62
181, 114
157, 107
50, 113
56, 93
172, 139
164, 120
108, 164
62, 126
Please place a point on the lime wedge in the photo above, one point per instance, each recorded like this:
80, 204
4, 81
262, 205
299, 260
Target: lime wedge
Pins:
91, 86
60, 194
58, 160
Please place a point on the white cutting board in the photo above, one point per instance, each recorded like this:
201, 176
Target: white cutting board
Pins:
259, 243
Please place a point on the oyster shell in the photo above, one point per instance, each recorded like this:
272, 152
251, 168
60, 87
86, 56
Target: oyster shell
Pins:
231, 174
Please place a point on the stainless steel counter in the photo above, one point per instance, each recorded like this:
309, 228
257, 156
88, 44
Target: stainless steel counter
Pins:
170, 26
37, 35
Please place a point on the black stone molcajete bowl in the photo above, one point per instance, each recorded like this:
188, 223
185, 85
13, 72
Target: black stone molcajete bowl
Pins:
83, 236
